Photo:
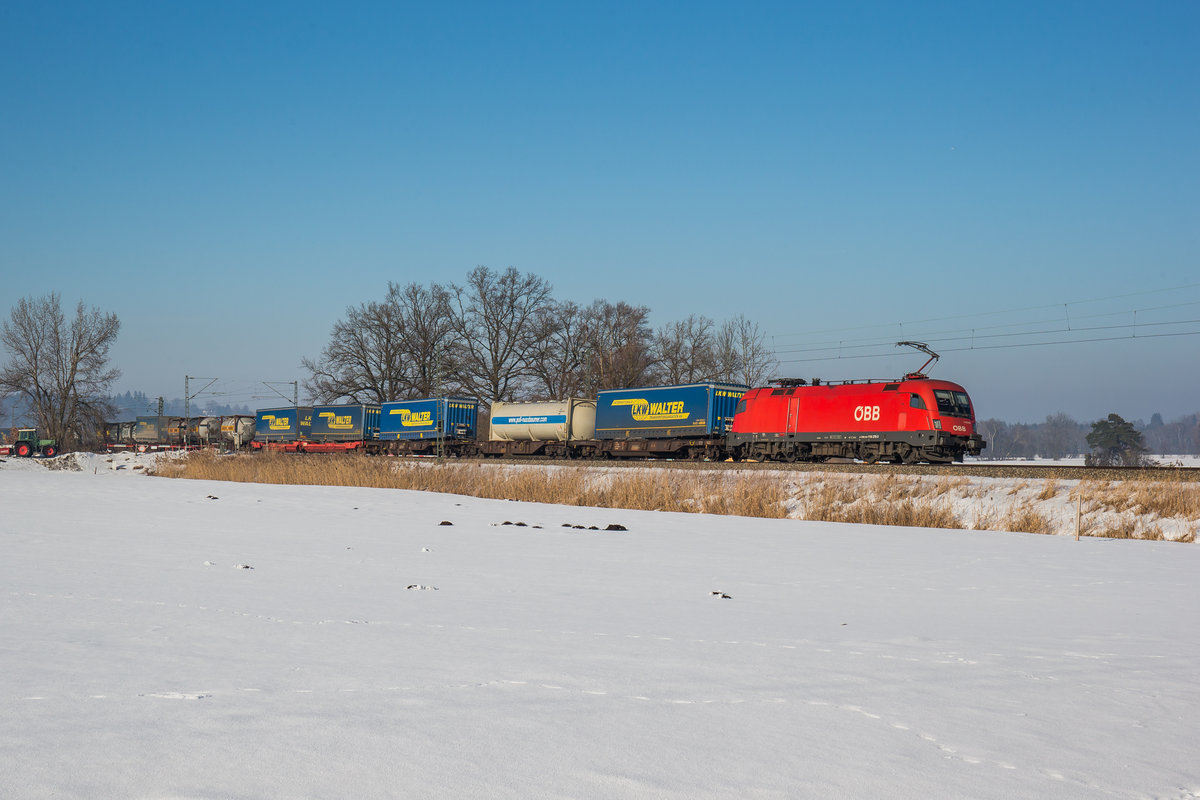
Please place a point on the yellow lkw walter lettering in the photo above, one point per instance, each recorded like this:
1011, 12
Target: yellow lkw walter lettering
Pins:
413, 419
643, 410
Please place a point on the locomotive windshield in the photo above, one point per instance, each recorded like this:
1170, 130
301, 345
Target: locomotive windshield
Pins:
955, 404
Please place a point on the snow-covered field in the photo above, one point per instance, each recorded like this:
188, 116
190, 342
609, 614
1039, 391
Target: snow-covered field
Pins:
183, 639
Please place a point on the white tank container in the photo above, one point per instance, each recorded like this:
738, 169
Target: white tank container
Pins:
237, 430
209, 430
556, 421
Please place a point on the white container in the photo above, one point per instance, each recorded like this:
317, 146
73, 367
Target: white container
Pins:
555, 421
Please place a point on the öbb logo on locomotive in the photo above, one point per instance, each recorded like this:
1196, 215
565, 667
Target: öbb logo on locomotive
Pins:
866, 414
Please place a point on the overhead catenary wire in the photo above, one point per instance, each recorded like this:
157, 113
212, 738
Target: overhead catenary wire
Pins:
977, 315
1065, 327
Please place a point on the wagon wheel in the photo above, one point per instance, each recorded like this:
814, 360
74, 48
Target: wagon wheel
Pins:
867, 455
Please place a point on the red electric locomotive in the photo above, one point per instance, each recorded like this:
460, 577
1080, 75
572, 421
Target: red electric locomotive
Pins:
904, 421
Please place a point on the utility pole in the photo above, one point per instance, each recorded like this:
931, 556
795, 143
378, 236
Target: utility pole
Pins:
187, 405
442, 406
295, 390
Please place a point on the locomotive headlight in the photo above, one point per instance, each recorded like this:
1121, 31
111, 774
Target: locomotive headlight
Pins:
937, 424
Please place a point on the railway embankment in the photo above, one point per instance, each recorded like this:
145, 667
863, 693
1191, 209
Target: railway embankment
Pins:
1066, 501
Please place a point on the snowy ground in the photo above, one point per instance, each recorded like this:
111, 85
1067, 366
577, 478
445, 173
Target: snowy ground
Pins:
203, 640
1077, 461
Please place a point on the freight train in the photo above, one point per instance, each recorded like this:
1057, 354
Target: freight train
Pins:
910, 420
154, 433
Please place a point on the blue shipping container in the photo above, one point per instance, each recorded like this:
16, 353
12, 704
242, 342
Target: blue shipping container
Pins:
697, 409
282, 424
423, 419
344, 423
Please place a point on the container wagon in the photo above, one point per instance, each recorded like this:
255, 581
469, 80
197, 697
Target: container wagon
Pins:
684, 421
420, 427
158, 433
282, 428
558, 429
344, 424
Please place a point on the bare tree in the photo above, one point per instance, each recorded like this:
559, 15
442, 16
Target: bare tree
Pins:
684, 350
1061, 436
741, 353
387, 350
620, 346
60, 369
363, 362
425, 334
560, 368
496, 324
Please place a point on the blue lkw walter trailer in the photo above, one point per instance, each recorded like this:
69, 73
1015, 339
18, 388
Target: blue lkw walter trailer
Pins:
344, 423
449, 417
290, 424
685, 411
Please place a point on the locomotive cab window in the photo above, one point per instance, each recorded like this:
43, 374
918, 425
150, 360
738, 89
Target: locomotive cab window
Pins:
955, 404
916, 401
741, 406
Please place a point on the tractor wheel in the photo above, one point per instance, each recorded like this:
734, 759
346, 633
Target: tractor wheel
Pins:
22, 449
50, 451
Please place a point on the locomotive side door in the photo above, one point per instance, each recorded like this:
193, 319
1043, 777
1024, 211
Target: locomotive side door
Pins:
793, 415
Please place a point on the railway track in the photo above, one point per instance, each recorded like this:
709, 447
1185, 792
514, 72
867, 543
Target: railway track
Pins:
975, 469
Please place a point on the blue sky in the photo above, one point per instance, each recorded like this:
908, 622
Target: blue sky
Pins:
227, 178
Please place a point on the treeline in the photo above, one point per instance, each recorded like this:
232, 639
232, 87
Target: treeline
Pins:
504, 336
137, 404
1061, 436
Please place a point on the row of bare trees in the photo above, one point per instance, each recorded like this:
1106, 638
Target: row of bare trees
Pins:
1061, 436
503, 336
58, 366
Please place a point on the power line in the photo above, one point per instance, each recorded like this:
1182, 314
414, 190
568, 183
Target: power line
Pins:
893, 325
974, 346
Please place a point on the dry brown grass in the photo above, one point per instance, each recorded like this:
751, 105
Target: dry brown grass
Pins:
652, 490
1168, 499
1026, 520
890, 500
1049, 489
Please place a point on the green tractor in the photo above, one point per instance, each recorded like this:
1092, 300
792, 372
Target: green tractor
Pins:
28, 443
